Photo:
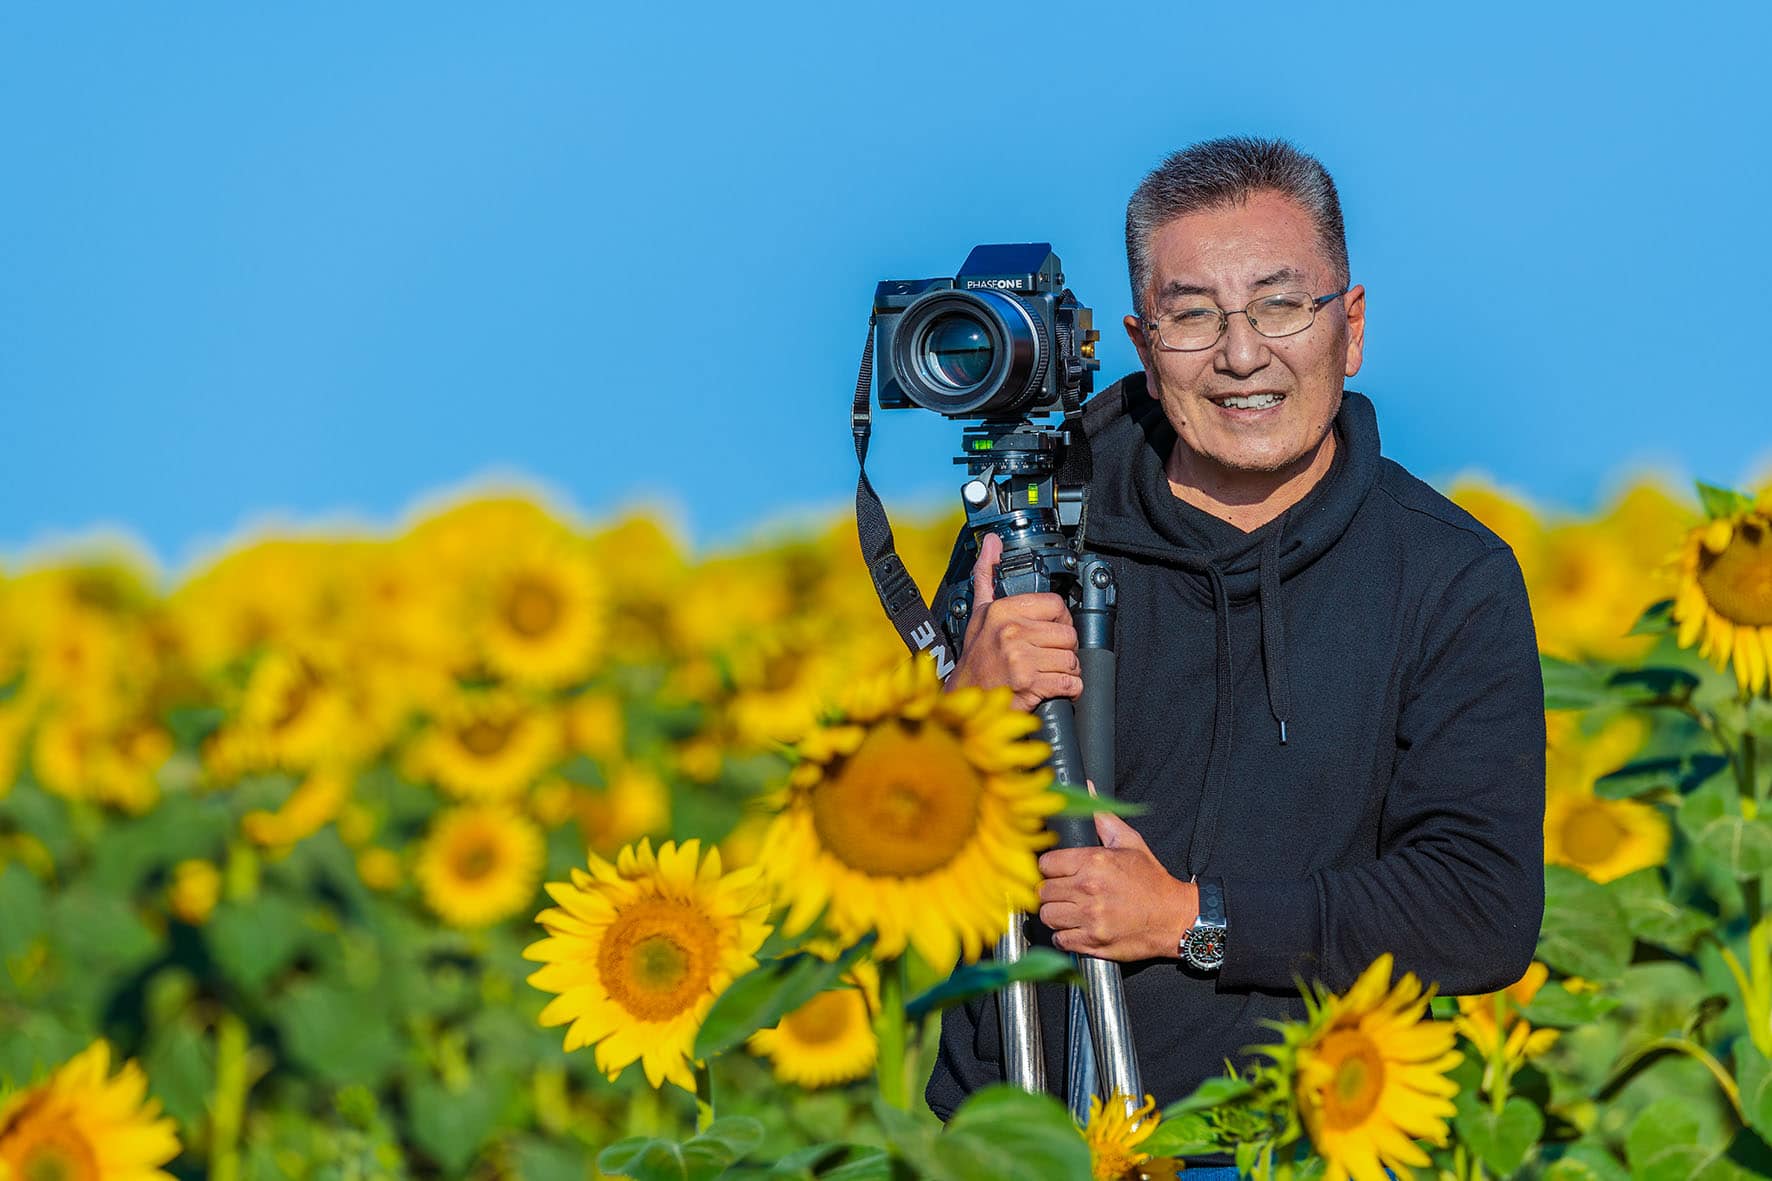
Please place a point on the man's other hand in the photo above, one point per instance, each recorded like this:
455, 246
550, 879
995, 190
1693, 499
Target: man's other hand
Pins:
1026, 642
1116, 902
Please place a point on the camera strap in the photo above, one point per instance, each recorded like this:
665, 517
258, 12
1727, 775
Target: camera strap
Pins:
898, 592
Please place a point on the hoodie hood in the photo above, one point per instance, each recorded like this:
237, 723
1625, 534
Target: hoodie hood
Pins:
1133, 511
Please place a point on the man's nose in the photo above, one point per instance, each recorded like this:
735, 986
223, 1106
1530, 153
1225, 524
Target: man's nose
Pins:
1243, 350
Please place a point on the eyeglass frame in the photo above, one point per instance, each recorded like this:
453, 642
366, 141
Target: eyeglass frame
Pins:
1318, 303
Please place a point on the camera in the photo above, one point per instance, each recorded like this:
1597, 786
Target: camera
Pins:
1002, 339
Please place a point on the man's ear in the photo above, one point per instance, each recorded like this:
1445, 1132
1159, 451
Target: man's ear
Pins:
1355, 301
1135, 333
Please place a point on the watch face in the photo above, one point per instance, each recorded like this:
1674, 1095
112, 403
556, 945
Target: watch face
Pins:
1205, 947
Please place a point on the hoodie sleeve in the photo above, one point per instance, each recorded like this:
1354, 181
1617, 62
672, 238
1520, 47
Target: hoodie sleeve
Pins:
1457, 891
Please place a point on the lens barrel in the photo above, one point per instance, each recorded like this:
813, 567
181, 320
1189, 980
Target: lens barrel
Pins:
969, 353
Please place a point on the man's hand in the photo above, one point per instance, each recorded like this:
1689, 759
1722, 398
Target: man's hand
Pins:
1026, 642
1116, 902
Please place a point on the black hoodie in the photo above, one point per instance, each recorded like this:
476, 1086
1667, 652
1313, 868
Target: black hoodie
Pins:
1339, 715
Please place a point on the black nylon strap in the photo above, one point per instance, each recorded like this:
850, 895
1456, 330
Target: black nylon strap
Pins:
892, 582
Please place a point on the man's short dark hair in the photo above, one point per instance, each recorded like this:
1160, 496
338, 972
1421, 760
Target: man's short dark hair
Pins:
1227, 171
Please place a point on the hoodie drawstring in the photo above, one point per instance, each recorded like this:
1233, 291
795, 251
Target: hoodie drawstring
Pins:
1279, 693
1273, 634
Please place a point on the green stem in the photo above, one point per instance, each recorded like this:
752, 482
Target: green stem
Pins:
1709, 725
889, 1030
704, 1097
1725, 1082
228, 1110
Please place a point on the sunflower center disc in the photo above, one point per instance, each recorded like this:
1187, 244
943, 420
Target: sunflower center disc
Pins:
824, 1018
1737, 583
1591, 834
60, 1154
657, 957
485, 738
903, 805
475, 862
1357, 1079
532, 608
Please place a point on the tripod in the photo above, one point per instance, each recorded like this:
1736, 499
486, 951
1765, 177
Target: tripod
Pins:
1014, 491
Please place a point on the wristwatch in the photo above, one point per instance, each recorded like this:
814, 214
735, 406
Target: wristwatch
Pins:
1202, 947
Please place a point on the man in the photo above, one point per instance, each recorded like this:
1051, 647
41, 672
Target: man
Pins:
1328, 690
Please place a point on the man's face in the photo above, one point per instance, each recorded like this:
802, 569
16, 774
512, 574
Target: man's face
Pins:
1230, 256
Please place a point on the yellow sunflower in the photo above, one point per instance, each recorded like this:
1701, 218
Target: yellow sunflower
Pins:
82, 1125
316, 801
1369, 1075
479, 865
1494, 1026
538, 615
194, 890
1604, 839
485, 745
1114, 1132
919, 816
380, 868
829, 1039
1724, 600
637, 951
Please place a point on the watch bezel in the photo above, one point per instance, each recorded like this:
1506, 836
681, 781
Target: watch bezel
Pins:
1203, 946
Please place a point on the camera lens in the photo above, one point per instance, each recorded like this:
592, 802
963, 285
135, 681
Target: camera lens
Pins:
959, 351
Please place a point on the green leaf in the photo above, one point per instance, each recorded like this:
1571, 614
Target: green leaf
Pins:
1644, 686
766, 994
335, 1034
1037, 963
725, 1142
1682, 773
1653, 916
1754, 1074
180, 1071
644, 1159
1721, 502
1502, 1141
1663, 1142
1584, 932
1655, 619
1211, 1093
1079, 802
448, 1125
1742, 846
1568, 685
869, 1166
1556, 1006
100, 933
22, 902
254, 940
1586, 1162
1187, 1134
1002, 1122
539, 1160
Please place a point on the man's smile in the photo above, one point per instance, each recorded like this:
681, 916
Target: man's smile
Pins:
1255, 404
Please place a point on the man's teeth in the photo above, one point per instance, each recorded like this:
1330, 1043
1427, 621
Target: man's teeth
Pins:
1253, 401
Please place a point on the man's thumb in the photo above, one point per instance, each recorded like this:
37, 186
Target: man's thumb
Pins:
984, 571
1116, 833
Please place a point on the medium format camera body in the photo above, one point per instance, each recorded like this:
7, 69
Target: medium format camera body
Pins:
1003, 339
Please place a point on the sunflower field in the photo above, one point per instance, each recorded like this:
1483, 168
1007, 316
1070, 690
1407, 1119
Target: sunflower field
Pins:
507, 845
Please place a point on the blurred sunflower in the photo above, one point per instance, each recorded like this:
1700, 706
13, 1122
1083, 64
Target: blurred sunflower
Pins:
314, 803
1494, 1026
82, 1124
538, 616
637, 951
485, 744
85, 752
634, 803
918, 815
1369, 1075
293, 712
829, 1039
194, 890
1604, 839
1724, 600
380, 868
479, 865
1114, 1132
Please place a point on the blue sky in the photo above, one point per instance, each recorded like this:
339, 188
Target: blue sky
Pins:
325, 261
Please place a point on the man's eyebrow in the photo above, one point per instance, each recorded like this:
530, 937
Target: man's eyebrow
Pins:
1283, 275
1175, 287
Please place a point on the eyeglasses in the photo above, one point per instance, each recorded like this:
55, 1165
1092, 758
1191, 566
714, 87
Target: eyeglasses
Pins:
1190, 329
